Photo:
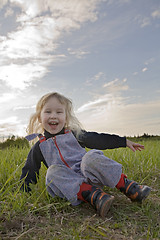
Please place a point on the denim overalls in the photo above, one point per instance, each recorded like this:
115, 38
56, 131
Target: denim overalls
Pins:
69, 165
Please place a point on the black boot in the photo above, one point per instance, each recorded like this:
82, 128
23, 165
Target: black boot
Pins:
100, 200
135, 192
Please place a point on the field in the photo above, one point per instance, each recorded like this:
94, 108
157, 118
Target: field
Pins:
38, 216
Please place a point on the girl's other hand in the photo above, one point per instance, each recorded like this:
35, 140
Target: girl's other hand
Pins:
134, 146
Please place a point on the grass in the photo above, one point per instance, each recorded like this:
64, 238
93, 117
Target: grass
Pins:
39, 216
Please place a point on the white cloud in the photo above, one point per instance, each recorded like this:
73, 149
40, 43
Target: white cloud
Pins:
144, 69
10, 120
79, 53
96, 77
33, 40
27, 53
6, 97
99, 76
145, 22
21, 76
116, 85
111, 83
93, 105
77, 11
149, 61
114, 89
11, 126
31, 8
156, 14
112, 113
71, 11
24, 107
116, 116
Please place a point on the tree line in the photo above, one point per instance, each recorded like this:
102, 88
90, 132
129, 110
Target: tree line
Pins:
22, 142
14, 142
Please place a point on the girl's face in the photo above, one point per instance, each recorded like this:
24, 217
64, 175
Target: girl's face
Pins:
53, 116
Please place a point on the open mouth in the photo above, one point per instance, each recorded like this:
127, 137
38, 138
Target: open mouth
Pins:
53, 123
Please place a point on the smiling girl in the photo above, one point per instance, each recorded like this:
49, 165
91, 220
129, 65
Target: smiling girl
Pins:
72, 172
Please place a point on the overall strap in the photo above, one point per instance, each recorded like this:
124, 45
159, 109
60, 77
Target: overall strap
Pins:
34, 135
67, 131
31, 136
41, 138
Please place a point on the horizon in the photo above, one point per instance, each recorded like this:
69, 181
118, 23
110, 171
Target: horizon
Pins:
102, 54
5, 137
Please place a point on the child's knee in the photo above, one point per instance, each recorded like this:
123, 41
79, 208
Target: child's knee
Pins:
52, 171
91, 158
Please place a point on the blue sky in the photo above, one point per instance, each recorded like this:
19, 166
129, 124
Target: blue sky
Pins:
102, 54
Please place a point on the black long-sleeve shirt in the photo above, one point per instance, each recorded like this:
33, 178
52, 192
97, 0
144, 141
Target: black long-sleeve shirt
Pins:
92, 140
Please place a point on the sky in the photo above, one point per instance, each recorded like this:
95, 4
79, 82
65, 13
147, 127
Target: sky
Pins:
102, 54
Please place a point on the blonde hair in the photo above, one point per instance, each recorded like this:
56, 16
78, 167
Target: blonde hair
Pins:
72, 123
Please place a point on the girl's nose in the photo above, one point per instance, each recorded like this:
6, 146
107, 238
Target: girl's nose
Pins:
53, 115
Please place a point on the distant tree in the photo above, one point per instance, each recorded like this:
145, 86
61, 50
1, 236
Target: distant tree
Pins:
13, 138
145, 135
14, 142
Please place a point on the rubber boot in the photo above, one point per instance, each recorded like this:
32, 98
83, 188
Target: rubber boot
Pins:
100, 200
137, 193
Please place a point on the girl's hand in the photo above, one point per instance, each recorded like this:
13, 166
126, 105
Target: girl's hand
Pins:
134, 146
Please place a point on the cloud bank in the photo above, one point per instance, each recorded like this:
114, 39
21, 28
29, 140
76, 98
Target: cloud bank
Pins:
113, 113
29, 50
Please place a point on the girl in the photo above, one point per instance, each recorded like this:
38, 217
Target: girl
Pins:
72, 172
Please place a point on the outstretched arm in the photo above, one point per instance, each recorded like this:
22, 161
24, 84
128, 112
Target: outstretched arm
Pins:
134, 146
